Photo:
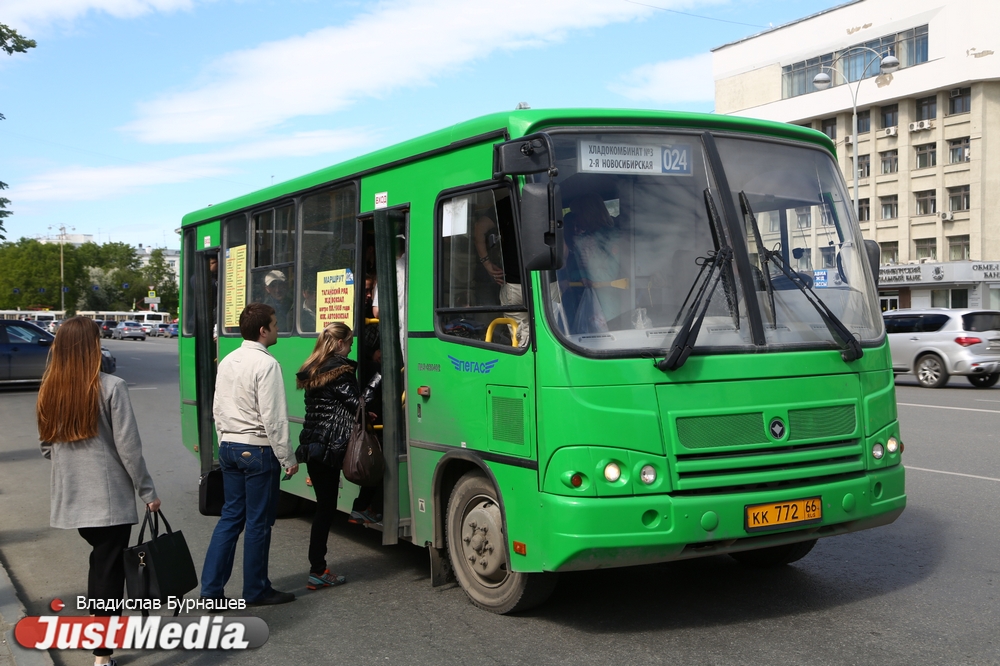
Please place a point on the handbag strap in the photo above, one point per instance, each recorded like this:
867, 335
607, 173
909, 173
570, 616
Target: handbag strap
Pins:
153, 519
362, 416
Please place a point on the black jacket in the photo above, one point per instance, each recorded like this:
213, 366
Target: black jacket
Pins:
332, 398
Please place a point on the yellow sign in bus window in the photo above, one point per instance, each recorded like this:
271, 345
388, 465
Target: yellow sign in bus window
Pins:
334, 297
235, 297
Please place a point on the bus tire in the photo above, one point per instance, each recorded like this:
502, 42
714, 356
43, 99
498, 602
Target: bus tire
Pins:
775, 556
477, 546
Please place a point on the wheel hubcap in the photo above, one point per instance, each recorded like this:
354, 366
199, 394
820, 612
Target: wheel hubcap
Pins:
482, 541
930, 372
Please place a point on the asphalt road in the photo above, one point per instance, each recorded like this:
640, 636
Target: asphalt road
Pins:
923, 590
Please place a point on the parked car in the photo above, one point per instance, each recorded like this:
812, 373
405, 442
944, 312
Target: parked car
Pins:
172, 331
161, 330
24, 350
936, 343
108, 328
53, 325
129, 329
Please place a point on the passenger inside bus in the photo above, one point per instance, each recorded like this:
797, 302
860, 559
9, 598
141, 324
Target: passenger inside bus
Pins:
278, 296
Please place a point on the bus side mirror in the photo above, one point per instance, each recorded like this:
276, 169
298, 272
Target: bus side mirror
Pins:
874, 257
541, 227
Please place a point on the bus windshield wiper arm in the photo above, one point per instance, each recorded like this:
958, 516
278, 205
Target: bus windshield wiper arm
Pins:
684, 340
762, 253
851, 347
719, 264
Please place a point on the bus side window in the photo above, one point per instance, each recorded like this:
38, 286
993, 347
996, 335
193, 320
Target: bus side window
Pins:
234, 239
328, 250
272, 273
480, 276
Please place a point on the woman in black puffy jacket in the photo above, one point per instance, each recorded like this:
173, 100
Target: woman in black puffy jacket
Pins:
332, 399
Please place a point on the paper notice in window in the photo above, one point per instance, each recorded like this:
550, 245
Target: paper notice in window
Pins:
455, 217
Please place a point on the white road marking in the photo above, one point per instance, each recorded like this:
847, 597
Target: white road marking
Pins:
938, 471
981, 400
962, 409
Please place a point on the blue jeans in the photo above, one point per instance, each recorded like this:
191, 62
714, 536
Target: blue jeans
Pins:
250, 477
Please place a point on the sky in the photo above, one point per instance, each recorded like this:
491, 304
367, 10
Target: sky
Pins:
131, 113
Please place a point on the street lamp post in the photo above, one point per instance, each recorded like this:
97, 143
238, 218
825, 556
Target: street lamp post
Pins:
822, 81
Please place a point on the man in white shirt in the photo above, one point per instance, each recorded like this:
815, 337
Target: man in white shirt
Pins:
252, 422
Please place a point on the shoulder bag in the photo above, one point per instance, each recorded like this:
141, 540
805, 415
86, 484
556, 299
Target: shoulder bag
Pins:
363, 462
160, 567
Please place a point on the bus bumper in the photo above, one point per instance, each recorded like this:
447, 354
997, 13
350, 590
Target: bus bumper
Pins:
604, 532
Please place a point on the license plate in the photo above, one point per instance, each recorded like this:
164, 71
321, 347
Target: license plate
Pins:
760, 517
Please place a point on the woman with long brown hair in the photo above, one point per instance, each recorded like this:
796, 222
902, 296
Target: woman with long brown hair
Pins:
88, 430
332, 400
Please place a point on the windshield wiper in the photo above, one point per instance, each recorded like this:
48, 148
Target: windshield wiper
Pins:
850, 346
719, 265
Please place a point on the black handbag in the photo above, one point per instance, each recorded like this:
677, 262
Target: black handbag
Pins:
211, 495
161, 567
363, 462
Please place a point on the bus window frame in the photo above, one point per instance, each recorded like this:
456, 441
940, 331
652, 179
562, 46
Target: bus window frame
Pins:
288, 268
526, 291
220, 316
300, 236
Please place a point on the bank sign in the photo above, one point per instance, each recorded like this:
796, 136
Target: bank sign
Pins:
930, 274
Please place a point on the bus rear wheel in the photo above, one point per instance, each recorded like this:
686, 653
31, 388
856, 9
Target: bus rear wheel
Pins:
477, 546
775, 556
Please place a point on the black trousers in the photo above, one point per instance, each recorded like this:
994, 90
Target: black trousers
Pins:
325, 481
106, 579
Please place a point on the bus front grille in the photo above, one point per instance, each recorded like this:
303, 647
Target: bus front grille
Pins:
711, 472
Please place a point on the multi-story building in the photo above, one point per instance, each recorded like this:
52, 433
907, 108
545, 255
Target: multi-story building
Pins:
928, 172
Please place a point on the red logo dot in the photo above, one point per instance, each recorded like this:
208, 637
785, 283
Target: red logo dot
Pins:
57, 605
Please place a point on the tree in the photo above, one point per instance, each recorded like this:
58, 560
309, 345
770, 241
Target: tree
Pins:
30, 276
161, 276
12, 43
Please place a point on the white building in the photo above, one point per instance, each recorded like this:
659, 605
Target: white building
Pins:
929, 184
171, 257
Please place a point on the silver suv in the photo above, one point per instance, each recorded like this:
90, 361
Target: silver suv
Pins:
936, 343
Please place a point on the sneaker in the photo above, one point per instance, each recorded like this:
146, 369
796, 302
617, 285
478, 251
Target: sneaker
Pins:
369, 516
325, 579
357, 518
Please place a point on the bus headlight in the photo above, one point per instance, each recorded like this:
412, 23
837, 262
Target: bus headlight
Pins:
612, 472
648, 475
878, 451
892, 445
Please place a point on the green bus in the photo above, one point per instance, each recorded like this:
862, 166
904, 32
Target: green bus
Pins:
608, 338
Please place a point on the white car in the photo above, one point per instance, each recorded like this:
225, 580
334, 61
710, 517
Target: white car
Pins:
935, 343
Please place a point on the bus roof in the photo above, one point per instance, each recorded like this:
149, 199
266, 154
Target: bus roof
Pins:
515, 123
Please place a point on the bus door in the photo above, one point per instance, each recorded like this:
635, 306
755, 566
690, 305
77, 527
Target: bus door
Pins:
199, 317
470, 364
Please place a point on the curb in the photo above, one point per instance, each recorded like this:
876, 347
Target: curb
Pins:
11, 611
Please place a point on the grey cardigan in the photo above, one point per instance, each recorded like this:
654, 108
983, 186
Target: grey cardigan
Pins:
94, 481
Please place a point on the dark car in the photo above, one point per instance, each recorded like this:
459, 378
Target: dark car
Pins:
172, 331
24, 349
107, 328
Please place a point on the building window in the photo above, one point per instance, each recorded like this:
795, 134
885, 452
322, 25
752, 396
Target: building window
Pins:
864, 166
890, 207
829, 127
829, 256
864, 121
926, 155
864, 210
890, 252
803, 217
890, 115
958, 150
958, 248
926, 248
958, 198
927, 108
910, 46
803, 258
926, 202
960, 101
775, 219
890, 161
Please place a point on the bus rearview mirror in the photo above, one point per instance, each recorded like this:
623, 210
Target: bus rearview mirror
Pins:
874, 257
542, 244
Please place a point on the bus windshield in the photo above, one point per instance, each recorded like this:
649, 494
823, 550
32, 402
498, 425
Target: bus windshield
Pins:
644, 221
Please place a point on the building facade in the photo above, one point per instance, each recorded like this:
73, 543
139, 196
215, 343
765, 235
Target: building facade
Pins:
928, 139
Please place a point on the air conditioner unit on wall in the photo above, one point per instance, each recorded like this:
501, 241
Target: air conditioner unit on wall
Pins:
925, 125
849, 139
916, 126
891, 131
947, 216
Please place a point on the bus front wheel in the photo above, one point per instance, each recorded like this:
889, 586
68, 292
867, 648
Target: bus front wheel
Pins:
775, 556
477, 546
